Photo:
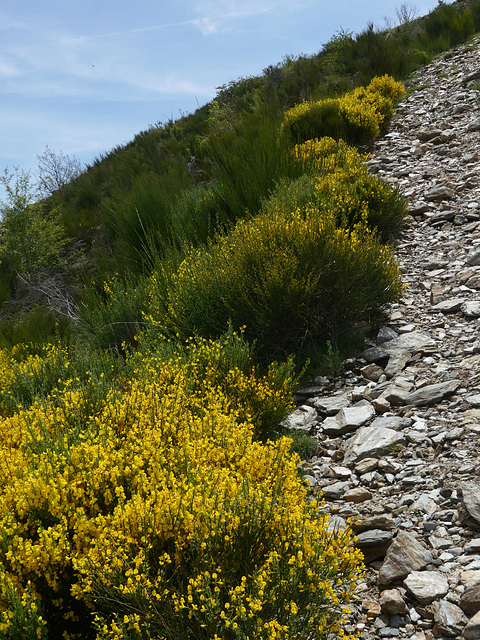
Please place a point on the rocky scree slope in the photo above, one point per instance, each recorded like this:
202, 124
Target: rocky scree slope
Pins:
399, 431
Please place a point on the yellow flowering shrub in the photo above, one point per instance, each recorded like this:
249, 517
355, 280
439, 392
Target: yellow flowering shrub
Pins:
342, 185
163, 517
357, 116
288, 277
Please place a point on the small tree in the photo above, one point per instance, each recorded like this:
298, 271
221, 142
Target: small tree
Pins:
30, 241
55, 171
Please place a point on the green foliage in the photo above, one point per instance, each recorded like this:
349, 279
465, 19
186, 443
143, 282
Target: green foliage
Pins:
448, 24
303, 445
30, 241
246, 160
112, 315
35, 326
229, 364
285, 276
195, 215
142, 221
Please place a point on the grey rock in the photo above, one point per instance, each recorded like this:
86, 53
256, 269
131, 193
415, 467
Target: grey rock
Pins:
371, 372
450, 619
471, 498
474, 400
471, 309
409, 342
429, 134
374, 537
449, 306
475, 125
439, 193
404, 555
382, 521
426, 586
302, 419
470, 600
391, 422
353, 417
391, 602
470, 577
425, 504
330, 406
472, 629
369, 442
432, 393
374, 543
473, 257
385, 334
473, 546
398, 391
357, 494
335, 491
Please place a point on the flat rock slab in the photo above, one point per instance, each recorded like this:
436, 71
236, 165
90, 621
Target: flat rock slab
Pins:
302, 419
371, 442
450, 619
391, 422
471, 498
449, 306
471, 309
426, 586
474, 400
354, 417
374, 543
404, 555
335, 491
432, 393
331, 405
398, 350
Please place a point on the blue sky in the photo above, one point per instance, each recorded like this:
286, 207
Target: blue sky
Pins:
85, 76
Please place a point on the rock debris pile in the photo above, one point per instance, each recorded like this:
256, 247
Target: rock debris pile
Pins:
399, 432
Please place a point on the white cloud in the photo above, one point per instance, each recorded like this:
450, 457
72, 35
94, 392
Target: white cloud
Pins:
207, 26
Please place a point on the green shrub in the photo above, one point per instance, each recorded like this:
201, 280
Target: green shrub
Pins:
246, 162
142, 220
285, 276
449, 23
112, 316
194, 216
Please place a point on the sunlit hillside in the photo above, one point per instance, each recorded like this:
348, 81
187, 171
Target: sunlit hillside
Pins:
157, 312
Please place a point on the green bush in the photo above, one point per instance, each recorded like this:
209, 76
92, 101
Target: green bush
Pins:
112, 316
245, 163
194, 216
285, 276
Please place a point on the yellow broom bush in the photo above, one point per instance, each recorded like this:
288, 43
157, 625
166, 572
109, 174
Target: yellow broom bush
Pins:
161, 517
288, 277
357, 116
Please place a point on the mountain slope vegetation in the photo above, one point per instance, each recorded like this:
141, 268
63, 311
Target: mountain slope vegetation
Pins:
158, 310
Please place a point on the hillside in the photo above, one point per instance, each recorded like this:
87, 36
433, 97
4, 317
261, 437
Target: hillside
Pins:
178, 183
163, 312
